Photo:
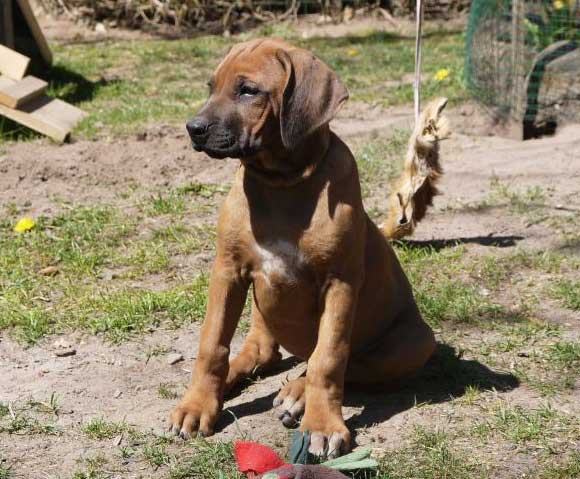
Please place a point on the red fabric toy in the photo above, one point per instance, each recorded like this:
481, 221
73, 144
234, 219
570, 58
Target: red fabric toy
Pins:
260, 462
255, 459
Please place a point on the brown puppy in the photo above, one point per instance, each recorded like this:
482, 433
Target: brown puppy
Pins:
327, 286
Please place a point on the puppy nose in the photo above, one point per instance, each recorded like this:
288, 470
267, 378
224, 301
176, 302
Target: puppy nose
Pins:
197, 127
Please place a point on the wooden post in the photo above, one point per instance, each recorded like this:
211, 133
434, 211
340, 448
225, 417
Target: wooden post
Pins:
7, 30
517, 58
516, 94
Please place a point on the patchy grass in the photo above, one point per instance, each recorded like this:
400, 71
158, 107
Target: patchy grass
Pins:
542, 427
4, 410
431, 455
210, 460
568, 292
52, 406
565, 355
442, 291
92, 468
22, 424
87, 245
99, 428
165, 391
566, 470
156, 454
380, 162
5, 469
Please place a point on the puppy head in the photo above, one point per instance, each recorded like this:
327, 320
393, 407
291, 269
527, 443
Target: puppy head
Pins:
264, 96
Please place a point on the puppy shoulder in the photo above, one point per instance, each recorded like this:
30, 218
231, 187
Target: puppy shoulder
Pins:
341, 160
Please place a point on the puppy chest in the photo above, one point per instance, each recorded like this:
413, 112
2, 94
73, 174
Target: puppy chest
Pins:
278, 263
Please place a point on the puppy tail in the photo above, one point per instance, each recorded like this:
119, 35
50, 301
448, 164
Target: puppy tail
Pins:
413, 192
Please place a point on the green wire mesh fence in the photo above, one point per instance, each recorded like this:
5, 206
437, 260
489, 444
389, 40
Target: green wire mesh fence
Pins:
523, 59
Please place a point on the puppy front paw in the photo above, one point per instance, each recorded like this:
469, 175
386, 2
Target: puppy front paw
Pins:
194, 417
329, 436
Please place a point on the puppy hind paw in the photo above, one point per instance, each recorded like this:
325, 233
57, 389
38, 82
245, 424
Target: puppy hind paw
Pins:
290, 402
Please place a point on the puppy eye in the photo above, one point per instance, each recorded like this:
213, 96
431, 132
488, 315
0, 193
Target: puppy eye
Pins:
248, 90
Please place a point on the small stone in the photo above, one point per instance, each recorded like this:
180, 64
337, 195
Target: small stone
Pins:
174, 358
62, 353
117, 394
100, 28
62, 343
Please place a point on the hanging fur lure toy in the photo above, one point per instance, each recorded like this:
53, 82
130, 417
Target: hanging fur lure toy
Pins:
413, 192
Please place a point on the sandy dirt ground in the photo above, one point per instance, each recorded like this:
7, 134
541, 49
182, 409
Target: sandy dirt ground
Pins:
119, 382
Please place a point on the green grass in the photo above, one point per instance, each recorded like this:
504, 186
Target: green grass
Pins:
568, 292
156, 454
126, 85
380, 161
431, 455
165, 391
441, 290
203, 459
569, 469
5, 469
52, 406
4, 410
24, 425
93, 468
565, 355
540, 427
85, 244
99, 428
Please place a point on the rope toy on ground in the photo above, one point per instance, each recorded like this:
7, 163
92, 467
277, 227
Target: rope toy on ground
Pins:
257, 461
414, 190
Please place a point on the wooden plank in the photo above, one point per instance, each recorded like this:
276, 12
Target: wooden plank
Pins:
51, 117
22, 91
6, 82
13, 64
36, 31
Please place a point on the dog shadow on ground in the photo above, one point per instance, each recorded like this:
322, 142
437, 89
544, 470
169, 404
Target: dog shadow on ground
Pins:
445, 377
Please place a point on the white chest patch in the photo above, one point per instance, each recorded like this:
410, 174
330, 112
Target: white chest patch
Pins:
279, 260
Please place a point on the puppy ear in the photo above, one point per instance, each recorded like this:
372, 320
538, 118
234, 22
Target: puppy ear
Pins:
312, 96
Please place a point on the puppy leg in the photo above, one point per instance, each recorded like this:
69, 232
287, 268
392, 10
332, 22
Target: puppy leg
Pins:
203, 400
259, 352
399, 355
325, 374
290, 402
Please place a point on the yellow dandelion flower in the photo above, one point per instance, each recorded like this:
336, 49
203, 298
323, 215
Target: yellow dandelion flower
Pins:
352, 52
558, 4
442, 74
24, 225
